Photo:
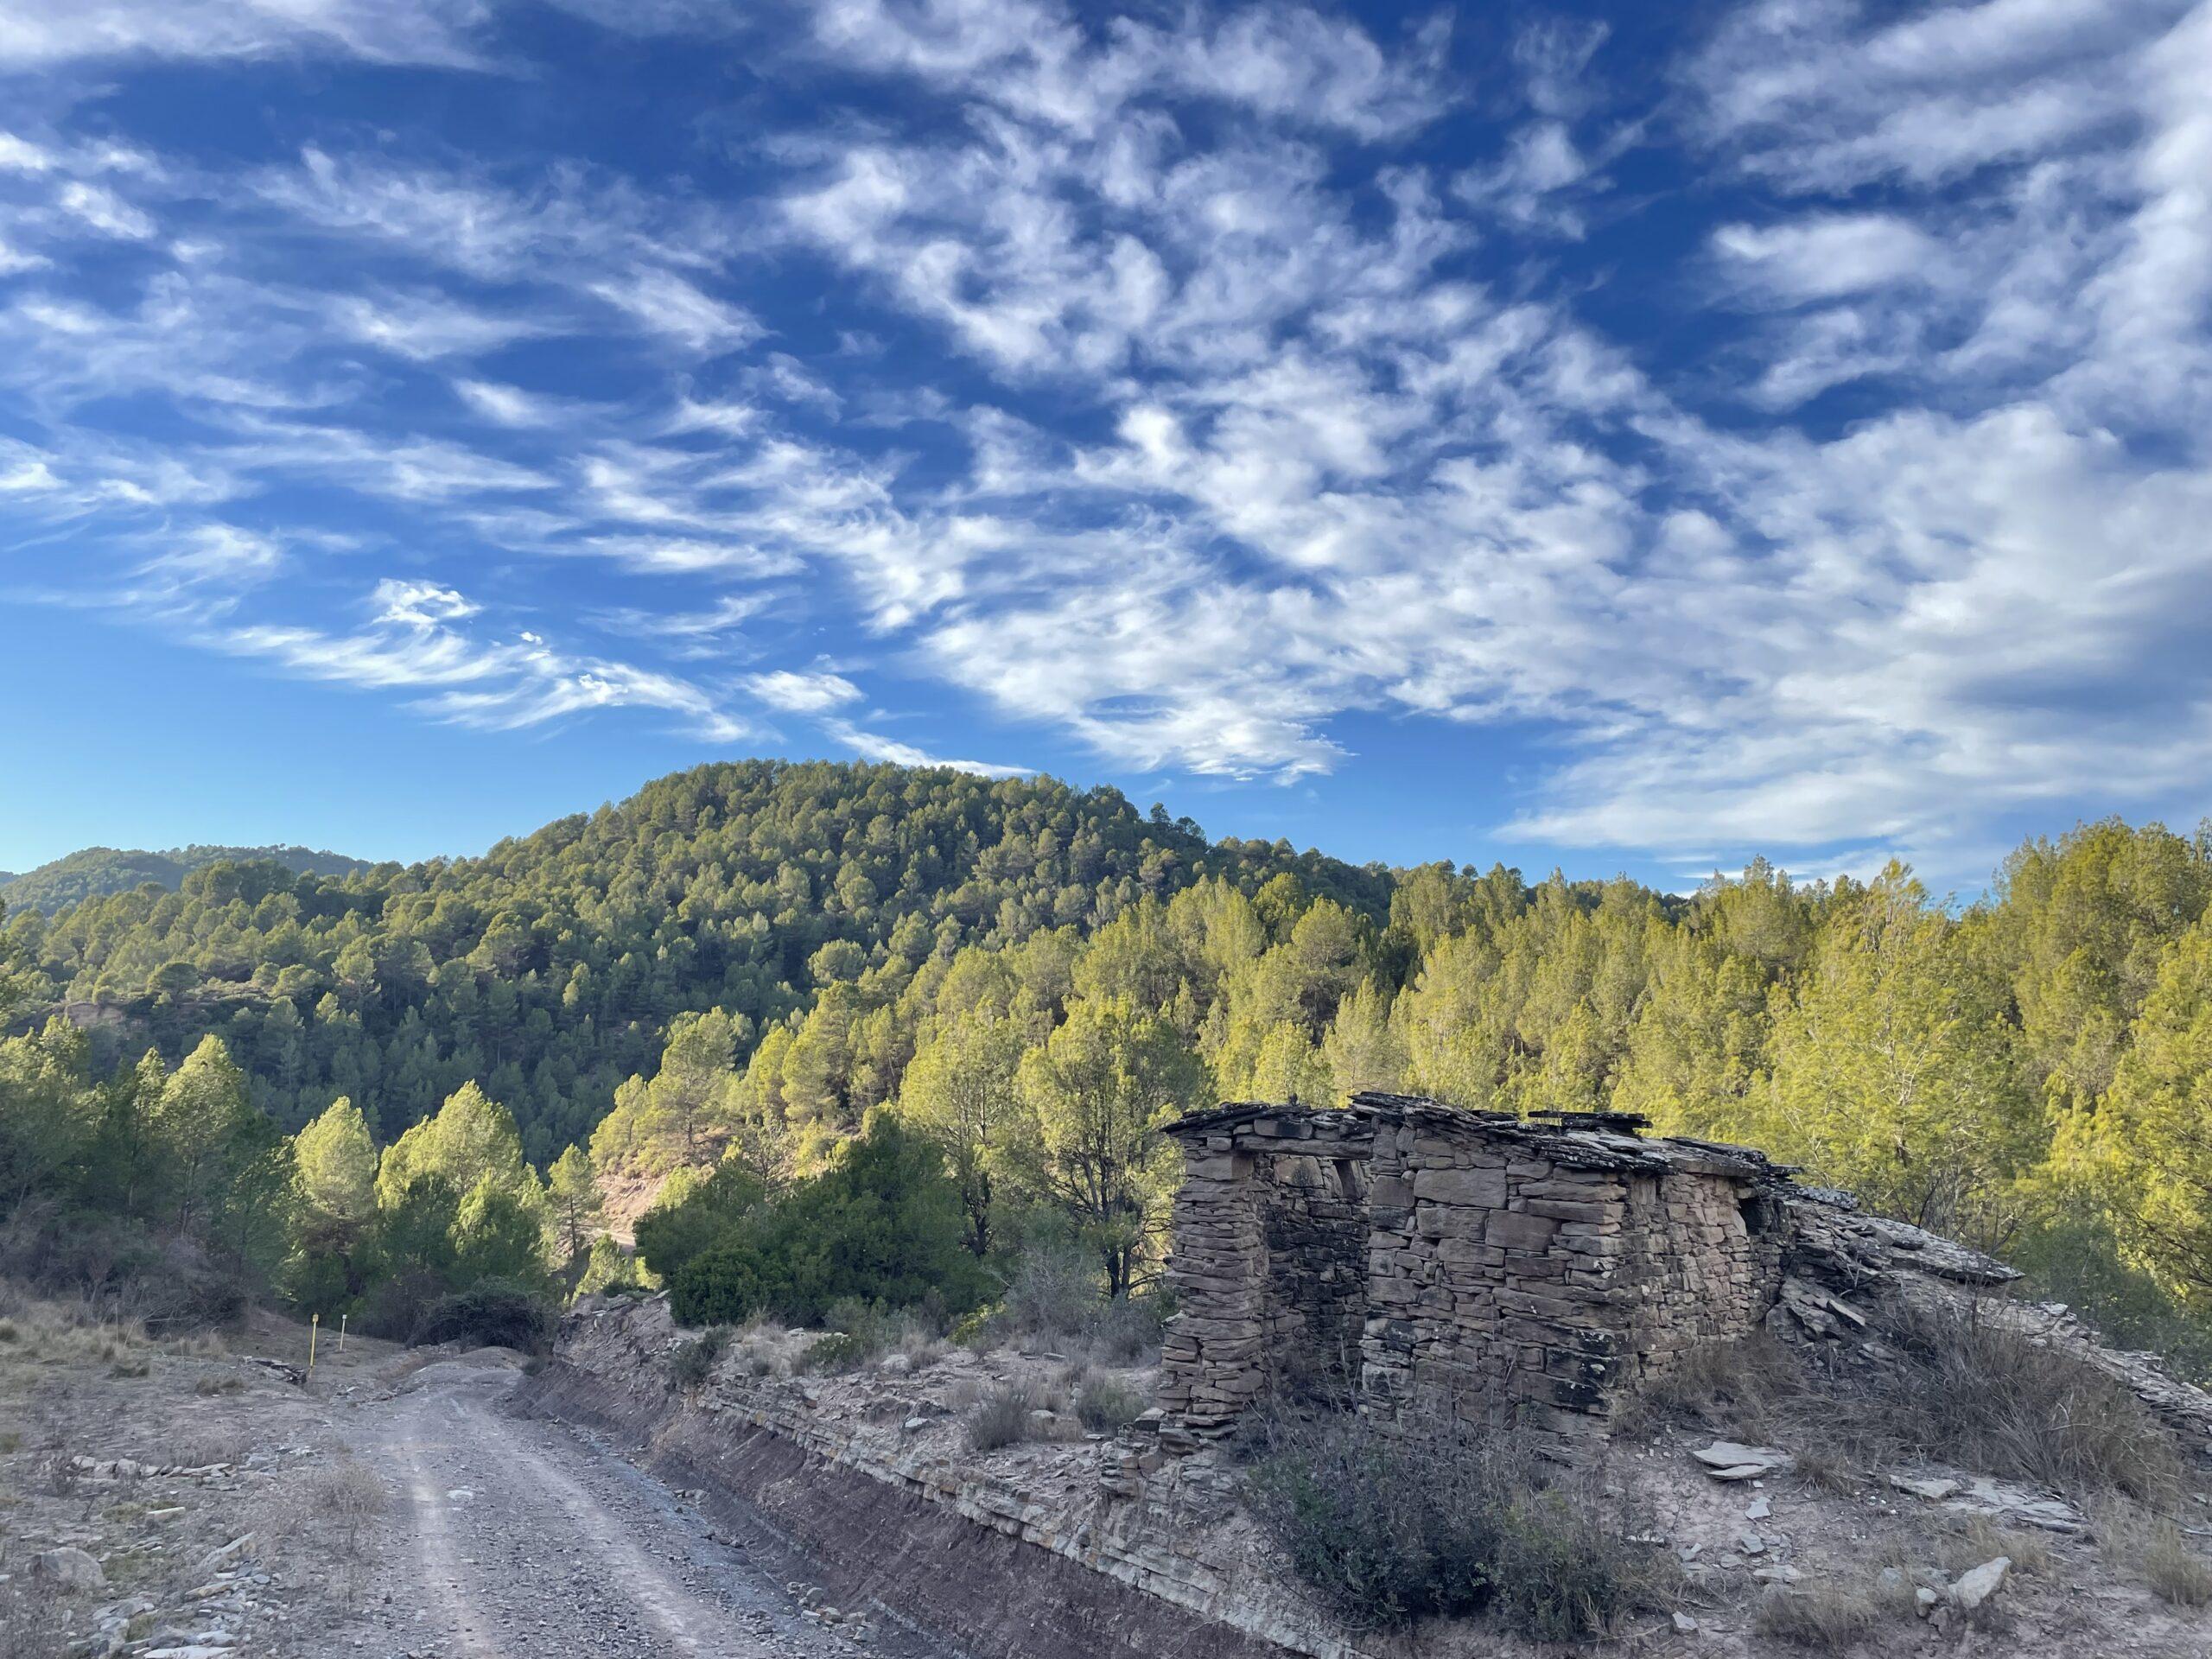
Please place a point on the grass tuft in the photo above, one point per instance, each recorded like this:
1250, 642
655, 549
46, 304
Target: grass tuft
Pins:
1823, 1616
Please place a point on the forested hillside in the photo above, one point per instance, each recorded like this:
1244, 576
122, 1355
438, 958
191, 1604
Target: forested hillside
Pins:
729, 970
548, 969
96, 870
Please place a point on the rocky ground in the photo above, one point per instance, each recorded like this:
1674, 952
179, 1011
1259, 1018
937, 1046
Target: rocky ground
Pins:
1776, 1556
188, 1501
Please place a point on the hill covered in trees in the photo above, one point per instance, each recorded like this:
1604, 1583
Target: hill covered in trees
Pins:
93, 871
548, 969
730, 973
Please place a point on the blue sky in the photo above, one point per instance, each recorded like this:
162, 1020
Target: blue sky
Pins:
1626, 438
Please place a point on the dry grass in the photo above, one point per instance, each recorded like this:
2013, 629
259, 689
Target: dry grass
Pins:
323, 1514
1105, 1404
1822, 1616
1978, 1539
2153, 1547
1005, 1415
1959, 1389
2177, 1571
195, 1448
1745, 1386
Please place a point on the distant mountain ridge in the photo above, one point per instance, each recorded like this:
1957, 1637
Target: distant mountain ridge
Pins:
92, 872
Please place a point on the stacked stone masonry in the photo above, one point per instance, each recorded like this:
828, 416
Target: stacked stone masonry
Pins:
1447, 1261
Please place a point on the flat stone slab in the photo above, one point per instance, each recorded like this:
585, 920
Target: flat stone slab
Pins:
1729, 1461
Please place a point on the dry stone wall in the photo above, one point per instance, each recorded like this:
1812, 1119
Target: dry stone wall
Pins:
1272, 1227
1542, 1268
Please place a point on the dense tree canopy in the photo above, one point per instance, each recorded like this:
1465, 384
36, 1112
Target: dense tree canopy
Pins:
548, 970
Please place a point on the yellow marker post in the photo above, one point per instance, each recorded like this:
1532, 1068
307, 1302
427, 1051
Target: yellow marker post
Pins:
315, 1324
341, 1333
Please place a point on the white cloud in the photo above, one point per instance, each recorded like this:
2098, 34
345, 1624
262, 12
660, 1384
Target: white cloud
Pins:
664, 303
507, 406
1210, 418
104, 212
426, 328
20, 155
1825, 256
220, 554
873, 745
459, 677
802, 694
415, 604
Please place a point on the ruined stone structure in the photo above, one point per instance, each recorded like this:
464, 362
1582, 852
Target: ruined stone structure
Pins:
1442, 1260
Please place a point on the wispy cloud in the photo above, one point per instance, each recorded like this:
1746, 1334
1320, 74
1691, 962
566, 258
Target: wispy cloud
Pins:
412, 644
35, 35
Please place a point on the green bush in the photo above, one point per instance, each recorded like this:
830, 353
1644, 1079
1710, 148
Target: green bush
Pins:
1442, 1520
671, 1236
493, 1312
841, 1351
725, 1286
882, 1225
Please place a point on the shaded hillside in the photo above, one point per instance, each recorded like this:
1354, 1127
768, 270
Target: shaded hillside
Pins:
92, 872
549, 968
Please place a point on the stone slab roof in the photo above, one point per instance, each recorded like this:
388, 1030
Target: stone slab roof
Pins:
1604, 1140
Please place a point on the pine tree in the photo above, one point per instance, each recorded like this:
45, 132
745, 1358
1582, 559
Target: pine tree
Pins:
337, 1164
574, 1203
1097, 1092
959, 1092
2144, 1151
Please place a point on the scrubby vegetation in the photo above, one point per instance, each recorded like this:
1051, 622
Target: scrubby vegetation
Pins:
1387, 1528
1960, 1388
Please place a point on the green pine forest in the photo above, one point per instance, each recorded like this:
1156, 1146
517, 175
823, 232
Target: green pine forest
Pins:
833, 988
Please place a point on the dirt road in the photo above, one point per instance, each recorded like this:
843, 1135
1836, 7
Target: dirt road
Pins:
510, 1538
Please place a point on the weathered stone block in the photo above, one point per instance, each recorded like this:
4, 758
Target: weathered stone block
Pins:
1482, 1188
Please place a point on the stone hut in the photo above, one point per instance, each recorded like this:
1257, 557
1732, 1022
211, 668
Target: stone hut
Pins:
1434, 1260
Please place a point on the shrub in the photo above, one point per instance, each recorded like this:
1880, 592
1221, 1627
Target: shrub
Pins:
841, 1351
494, 1313
883, 1224
1004, 1417
1565, 1566
670, 1236
1055, 1300
1388, 1528
720, 1286
1106, 1404
690, 1362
